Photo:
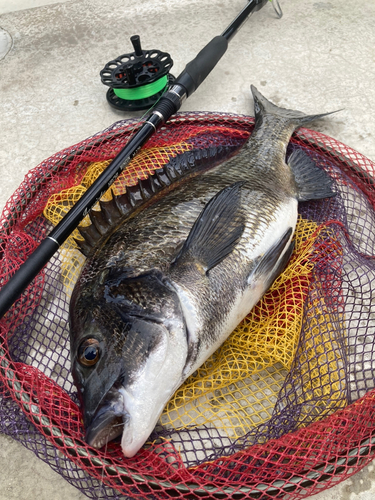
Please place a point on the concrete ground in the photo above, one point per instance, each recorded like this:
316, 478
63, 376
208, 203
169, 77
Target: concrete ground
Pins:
319, 57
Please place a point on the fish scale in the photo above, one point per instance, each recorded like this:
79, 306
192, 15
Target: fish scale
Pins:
174, 264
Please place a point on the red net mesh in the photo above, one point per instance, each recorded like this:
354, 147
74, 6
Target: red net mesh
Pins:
312, 423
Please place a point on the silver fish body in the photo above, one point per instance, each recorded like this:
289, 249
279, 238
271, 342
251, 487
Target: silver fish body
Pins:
163, 289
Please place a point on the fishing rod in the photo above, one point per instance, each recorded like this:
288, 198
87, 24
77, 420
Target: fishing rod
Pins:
183, 87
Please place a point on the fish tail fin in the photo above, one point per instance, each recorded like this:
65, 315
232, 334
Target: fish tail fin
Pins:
263, 107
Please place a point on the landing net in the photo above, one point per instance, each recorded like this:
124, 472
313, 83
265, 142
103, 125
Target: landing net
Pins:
285, 408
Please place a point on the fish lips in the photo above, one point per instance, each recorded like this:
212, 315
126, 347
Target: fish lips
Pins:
104, 414
94, 384
108, 421
95, 400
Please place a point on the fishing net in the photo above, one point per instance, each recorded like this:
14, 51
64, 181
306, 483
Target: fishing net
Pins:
284, 409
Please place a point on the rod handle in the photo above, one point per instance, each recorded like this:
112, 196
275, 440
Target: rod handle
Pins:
202, 65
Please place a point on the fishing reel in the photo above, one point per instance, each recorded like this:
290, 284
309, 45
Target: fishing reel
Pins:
137, 80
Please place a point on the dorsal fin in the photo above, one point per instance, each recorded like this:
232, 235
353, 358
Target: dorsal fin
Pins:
121, 206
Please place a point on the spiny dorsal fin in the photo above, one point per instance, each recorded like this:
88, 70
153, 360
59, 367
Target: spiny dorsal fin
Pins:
121, 206
90, 234
110, 211
83, 247
99, 220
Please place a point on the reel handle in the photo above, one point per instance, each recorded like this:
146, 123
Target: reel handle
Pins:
136, 42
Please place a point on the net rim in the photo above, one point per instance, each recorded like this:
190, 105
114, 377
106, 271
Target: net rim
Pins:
33, 410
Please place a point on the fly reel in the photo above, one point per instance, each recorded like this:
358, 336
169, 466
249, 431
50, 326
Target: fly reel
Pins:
138, 79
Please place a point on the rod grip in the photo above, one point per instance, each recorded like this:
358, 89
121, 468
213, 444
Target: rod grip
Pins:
10, 292
200, 67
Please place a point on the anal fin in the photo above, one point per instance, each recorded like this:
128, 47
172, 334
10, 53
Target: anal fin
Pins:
312, 182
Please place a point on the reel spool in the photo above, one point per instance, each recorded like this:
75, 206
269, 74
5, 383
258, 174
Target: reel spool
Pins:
138, 79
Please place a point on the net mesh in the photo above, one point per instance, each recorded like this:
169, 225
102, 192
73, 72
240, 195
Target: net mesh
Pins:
283, 409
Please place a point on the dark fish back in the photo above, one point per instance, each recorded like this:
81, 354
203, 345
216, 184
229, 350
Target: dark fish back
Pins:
114, 212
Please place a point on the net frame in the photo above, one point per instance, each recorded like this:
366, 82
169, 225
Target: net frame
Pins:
325, 465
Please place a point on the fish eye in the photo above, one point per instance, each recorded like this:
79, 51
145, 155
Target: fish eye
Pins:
89, 352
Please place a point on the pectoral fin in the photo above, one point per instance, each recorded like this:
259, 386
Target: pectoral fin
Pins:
270, 265
216, 231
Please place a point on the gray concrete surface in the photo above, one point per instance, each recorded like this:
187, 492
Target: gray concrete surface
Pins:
319, 57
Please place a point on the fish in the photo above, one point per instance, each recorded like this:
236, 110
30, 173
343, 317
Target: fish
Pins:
173, 266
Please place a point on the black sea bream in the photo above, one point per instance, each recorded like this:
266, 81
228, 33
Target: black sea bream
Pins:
170, 273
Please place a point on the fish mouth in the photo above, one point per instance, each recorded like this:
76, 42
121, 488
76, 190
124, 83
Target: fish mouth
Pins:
108, 422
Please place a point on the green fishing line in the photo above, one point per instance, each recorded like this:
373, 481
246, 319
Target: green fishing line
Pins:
142, 92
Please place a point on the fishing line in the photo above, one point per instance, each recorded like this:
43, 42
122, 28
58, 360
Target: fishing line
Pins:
142, 92
142, 119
